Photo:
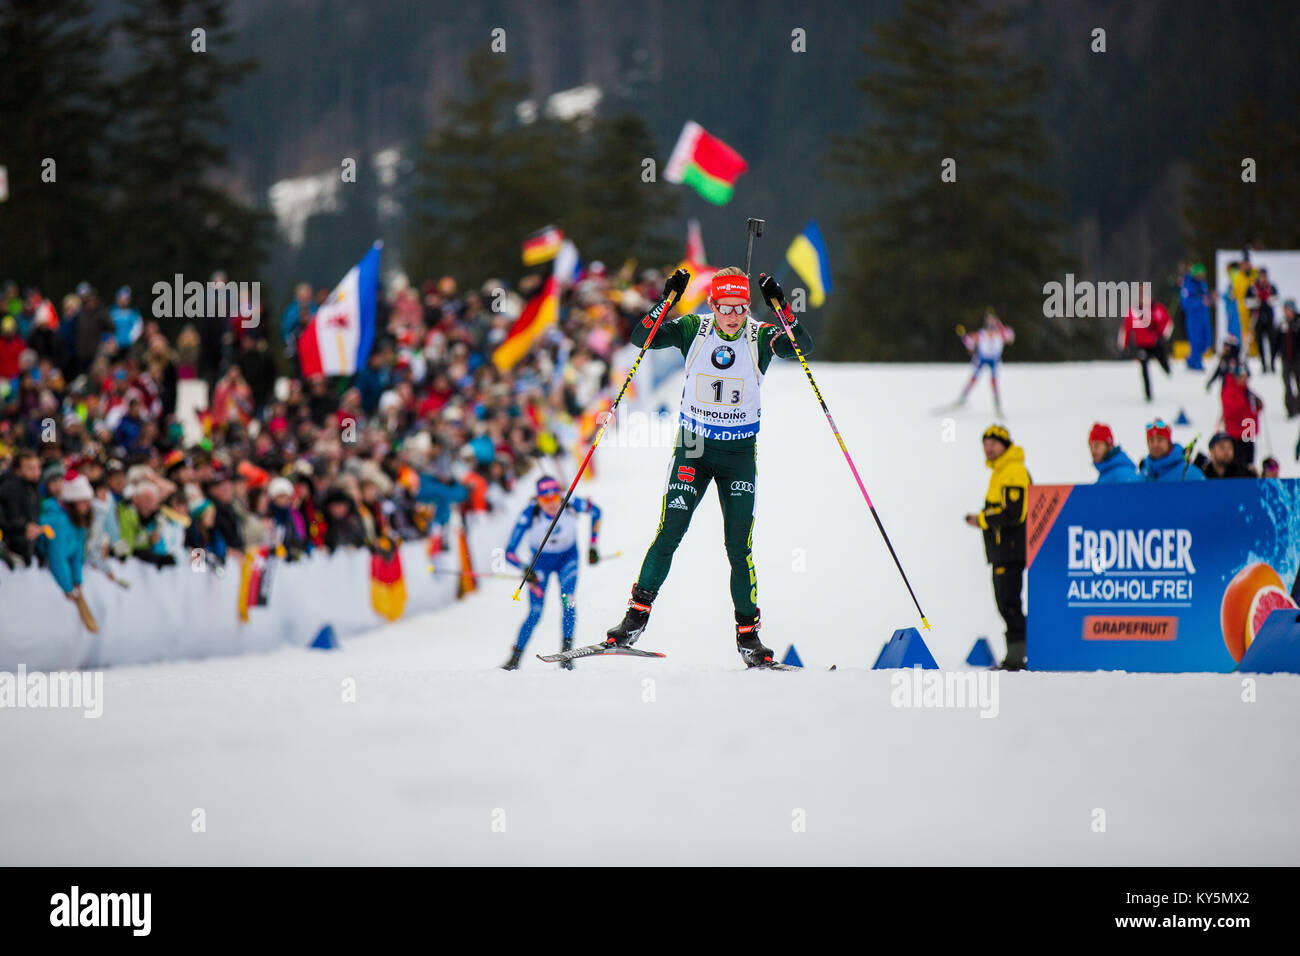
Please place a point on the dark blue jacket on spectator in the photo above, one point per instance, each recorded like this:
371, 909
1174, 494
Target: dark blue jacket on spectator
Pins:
1116, 468
128, 432
371, 383
1170, 468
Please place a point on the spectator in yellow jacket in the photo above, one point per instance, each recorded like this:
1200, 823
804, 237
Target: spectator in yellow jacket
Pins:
1003, 522
1243, 280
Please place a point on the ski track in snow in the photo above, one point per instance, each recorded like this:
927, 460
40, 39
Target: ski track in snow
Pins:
690, 759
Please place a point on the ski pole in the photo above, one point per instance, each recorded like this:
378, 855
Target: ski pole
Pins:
502, 575
784, 314
754, 228
1187, 455
662, 308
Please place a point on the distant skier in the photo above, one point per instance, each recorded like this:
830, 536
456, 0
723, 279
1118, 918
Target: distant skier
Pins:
1147, 329
727, 352
985, 348
559, 557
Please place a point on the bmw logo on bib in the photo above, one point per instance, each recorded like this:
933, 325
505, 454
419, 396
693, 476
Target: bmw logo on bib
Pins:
723, 357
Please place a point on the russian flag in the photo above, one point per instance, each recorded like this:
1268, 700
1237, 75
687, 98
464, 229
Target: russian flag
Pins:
337, 340
807, 256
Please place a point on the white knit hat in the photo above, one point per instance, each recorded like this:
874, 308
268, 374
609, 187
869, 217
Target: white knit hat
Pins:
279, 486
78, 489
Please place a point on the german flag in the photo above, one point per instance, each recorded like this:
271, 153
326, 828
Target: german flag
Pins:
387, 585
541, 311
542, 245
254, 581
467, 583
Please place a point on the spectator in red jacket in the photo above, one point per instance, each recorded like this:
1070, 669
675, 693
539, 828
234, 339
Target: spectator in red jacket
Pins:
11, 347
1147, 330
1241, 409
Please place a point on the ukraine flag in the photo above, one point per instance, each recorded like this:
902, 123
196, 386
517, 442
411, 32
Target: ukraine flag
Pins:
807, 256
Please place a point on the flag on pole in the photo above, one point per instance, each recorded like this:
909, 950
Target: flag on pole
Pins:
705, 163
538, 315
807, 256
695, 242
387, 584
542, 245
697, 290
338, 338
567, 265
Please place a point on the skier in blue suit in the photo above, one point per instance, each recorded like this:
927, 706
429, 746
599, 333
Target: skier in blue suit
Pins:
559, 557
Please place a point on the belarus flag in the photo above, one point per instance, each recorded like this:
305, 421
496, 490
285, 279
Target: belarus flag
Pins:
705, 163
337, 340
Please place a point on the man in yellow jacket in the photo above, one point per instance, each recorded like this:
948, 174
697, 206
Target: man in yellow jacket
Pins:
1003, 524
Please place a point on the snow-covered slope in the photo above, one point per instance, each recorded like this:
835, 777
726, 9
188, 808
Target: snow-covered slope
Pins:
689, 759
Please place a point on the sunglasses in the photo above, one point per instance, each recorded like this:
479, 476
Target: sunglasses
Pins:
1158, 423
549, 495
737, 309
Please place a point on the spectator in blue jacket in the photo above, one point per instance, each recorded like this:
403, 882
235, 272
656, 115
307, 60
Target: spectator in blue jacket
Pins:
67, 520
1166, 461
127, 324
1112, 464
1194, 293
295, 317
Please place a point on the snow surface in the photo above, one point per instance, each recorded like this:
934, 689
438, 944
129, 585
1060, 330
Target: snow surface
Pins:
690, 759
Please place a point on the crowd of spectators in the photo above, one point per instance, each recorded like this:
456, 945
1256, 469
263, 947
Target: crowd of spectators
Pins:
96, 464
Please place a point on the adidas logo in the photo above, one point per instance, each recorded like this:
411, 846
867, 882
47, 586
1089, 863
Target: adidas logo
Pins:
679, 502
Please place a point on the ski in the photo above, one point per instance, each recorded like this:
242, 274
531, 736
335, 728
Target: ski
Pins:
596, 650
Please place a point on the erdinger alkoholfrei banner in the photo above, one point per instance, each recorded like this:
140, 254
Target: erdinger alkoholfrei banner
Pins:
1158, 577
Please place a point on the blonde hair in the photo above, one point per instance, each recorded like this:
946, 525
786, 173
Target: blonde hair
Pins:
730, 271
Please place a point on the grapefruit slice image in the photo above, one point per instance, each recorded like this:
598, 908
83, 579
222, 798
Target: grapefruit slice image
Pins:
1234, 609
1266, 601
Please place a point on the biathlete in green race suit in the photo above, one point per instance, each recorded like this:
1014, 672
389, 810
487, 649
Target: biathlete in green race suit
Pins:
727, 354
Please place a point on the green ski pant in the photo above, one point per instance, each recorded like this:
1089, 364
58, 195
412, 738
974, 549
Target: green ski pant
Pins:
734, 471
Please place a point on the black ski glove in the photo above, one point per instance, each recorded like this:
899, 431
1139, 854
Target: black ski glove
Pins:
772, 293
593, 556
676, 283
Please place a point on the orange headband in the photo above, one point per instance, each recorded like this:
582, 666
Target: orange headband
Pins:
729, 286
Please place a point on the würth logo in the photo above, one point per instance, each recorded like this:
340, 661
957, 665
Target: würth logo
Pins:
685, 473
